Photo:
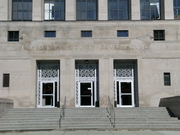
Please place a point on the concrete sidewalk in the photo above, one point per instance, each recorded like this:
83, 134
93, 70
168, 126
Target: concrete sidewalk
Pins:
94, 132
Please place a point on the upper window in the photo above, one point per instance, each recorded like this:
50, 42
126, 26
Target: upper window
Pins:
22, 10
122, 33
118, 9
54, 10
50, 34
6, 80
151, 9
159, 35
86, 33
13, 35
86, 10
176, 9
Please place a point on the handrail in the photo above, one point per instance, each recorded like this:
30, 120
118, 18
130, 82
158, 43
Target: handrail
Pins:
111, 113
62, 112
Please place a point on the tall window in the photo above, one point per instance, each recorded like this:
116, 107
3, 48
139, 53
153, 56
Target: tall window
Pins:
118, 9
167, 79
54, 10
6, 80
86, 10
22, 10
151, 9
176, 9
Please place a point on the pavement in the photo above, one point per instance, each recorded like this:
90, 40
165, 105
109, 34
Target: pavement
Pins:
93, 132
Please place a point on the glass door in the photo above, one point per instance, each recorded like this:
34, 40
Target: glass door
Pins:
86, 94
125, 94
48, 94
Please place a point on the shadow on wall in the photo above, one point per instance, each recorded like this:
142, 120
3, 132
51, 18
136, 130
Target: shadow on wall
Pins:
4, 104
172, 104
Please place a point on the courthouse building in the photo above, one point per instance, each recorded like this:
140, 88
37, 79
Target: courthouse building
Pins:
89, 50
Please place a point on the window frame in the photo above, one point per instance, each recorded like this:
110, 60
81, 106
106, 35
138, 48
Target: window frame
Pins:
80, 11
18, 10
14, 38
61, 12
127, 31
51, 34
6, 80
167, 79
88, 33
161, 10
119, 9
159, 37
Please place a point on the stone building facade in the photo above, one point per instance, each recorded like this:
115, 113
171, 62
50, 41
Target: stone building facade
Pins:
126, 49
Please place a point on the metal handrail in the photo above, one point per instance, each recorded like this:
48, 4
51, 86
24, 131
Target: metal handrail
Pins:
111, 112
62, 112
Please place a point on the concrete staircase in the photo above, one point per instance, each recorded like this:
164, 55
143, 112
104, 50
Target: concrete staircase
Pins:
30, 119
145, 118
87, 118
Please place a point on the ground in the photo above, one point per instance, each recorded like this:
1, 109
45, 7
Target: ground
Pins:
93, 132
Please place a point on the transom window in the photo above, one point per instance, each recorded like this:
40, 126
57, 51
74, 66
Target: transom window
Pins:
21, 10
151, 9
159, 35
176, 9
54, 10
86, 10
122, 33
86, 33
118, 9
50, 34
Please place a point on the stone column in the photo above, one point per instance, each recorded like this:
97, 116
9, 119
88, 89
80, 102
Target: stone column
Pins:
38, 10
105, 81
67, 82
168, 7
103, 10
135, 10
4, 12
70, 10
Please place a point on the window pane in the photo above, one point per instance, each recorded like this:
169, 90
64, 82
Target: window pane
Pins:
6, 80
54, 10
86, 33
22, 10
13, 36
118, 9
122, 33
86, 9
50, 34
167, 81
150, 9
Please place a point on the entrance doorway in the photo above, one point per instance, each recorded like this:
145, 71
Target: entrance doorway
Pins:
48, 84
125, 83
87, 83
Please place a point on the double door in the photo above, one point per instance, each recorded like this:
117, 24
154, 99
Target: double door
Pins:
125, 93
